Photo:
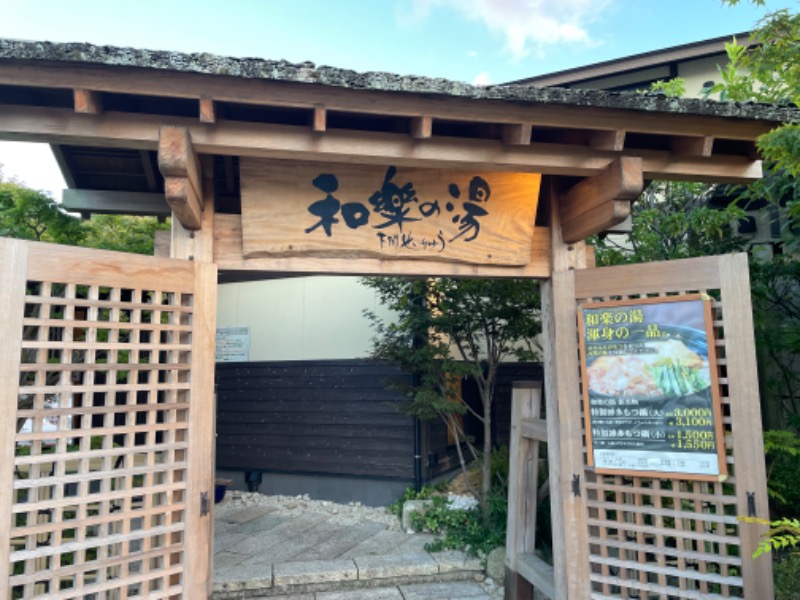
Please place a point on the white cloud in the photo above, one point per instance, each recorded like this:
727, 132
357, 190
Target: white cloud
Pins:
528, 25
472, 53
482, 79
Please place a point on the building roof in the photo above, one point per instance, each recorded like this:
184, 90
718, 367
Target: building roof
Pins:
634, 62
309, 73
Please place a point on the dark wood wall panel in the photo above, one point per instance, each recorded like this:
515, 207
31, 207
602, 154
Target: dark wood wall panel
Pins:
324, 417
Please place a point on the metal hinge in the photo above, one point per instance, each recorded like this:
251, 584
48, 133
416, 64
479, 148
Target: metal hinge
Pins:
576, 485
205, 507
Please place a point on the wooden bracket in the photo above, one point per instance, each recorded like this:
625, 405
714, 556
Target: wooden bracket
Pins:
693, 146
208, 111
608, 140
518, 134
421, 127
87, 102
182, 180
319, 120
601, 201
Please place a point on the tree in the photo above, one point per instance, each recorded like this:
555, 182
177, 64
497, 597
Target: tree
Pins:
768, 71
122, 233
673, 220
444, 329
33, 215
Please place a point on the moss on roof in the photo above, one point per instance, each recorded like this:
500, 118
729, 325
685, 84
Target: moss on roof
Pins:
307, 72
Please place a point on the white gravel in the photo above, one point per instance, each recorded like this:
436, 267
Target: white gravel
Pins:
338, 514
352, 513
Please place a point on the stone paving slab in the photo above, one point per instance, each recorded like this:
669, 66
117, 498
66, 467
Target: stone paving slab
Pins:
244, 515
384, 566
226, 560
345, 539
382, 542
292, 549
314, 571
229, 540
454, 560
262, 524
280, 534
443, 591
391, 593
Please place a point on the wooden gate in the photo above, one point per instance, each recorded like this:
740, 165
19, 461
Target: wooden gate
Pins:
106, 423
646, 537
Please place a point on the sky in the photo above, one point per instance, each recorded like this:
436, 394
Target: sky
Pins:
478, 41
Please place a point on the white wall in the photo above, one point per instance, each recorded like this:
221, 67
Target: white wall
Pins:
303, 318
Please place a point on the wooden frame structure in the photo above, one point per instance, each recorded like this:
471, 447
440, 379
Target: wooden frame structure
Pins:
174, 125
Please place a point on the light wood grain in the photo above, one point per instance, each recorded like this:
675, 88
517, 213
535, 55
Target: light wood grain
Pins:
121, 130
319, 119
207, 110
602, 201
202, 416
13, 263
281, 93
279, 199
88, 102
608, 140
421, 127
523, 470
228, 256
745, 408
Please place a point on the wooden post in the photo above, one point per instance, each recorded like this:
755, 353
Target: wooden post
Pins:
748, 450
523, 477
13, 264
199, 527
562, 394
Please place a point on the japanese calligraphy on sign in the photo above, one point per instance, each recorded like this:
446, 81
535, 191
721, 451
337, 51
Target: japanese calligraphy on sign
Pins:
387, 212
650, 389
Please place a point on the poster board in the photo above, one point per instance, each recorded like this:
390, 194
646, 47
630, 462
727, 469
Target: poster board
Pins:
232, 344
650, 389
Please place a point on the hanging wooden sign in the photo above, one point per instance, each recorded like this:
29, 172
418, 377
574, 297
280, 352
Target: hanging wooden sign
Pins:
650, 389
340, 210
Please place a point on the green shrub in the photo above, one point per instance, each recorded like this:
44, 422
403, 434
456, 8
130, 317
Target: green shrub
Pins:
787, 577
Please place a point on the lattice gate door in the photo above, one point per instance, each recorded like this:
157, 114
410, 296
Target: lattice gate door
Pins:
648, 537
106, 423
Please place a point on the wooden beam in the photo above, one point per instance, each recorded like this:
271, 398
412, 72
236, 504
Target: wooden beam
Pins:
149, 171
535, 429
88, 102
599, 202
119, 130
182, 179
692, 146
613, 141
208, 111
104, 78
518, 134
421, 127
184, 202
228, 255
114, 203
319, 120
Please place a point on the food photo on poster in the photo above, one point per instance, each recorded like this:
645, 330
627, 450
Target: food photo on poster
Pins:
650, 391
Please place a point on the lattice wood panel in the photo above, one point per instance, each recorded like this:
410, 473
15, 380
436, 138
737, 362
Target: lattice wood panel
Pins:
672, 538
99, 507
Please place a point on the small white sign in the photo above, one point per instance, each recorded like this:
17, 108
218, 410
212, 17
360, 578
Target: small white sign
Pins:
233, 344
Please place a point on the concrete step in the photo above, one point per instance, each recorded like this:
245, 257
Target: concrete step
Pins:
373, 576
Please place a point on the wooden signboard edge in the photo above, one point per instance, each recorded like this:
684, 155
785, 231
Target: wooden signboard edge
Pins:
716, 400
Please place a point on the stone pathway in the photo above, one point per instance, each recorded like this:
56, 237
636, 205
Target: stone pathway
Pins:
332, 552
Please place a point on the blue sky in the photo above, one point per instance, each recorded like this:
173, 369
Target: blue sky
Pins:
478, 41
